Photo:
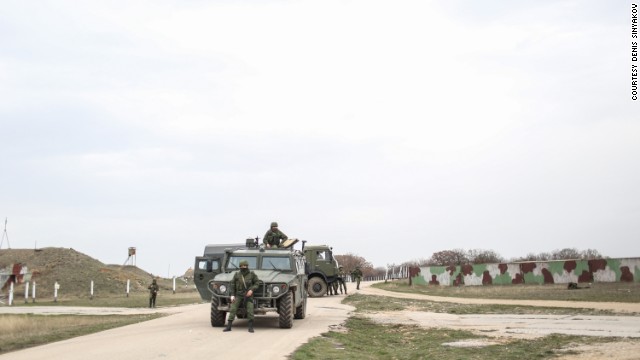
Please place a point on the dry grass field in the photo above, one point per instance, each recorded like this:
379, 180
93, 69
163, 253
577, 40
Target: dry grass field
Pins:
599, 292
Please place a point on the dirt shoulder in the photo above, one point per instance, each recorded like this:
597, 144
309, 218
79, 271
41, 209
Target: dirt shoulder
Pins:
623, 330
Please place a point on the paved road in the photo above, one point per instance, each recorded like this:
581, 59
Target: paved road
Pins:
187, 334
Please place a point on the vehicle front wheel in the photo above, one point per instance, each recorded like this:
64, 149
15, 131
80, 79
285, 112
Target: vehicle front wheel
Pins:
217, 316
285, 311
317, 287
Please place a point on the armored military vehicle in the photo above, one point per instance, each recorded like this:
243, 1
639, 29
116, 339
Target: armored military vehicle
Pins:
283, 282
210, 265
323, 269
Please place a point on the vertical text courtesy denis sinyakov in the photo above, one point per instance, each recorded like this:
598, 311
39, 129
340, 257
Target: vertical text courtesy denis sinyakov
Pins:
634, 51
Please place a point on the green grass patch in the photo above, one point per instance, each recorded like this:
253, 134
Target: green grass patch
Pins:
365, 339
23, 331
369, 303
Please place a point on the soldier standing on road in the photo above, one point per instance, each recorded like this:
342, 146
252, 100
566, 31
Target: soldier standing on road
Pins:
273, 236
243, 284
357, 276
341, 276
153, 292
331, 288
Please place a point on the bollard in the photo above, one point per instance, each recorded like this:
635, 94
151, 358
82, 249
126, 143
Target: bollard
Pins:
26, 292
33, 292
11, 294
91, 293
128, 284
56, 286
174, 284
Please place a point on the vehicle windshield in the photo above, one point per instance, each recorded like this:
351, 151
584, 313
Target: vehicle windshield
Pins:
276, 263
234, 262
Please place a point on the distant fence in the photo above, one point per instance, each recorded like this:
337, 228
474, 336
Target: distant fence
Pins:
535, 272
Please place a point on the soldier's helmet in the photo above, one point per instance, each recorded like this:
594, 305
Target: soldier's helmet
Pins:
154, 281
244, 263
274, 224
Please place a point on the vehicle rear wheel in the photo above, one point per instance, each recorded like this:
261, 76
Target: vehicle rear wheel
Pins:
217, 316
285, 311
317, 287
301, 311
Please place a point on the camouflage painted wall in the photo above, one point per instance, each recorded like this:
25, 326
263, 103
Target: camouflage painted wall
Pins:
543, 272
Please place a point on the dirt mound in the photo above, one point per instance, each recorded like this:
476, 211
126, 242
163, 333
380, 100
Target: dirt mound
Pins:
74, 271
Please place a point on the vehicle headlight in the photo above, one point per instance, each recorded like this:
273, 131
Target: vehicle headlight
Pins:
275, 289
223, 289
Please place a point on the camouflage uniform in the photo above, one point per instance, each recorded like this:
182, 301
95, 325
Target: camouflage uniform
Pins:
341, 282
243, 281
273, 236
153, 292
332, 288
357, 276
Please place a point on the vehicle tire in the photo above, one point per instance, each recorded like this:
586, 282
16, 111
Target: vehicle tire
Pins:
285, 311
301, 311
317, 287
217, 316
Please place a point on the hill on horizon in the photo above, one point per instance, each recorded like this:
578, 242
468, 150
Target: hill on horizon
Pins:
74, 271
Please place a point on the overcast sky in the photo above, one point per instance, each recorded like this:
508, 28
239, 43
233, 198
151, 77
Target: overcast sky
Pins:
387, 129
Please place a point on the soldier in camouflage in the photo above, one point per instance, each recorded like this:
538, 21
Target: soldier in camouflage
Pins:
357, 276
341, 276
331, 288
153, 292
273, 237
243, 284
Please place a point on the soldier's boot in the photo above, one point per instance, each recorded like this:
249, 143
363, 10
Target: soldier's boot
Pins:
250, 326
228, 328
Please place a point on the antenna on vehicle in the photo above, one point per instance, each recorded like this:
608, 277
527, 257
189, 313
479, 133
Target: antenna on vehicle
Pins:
5, 235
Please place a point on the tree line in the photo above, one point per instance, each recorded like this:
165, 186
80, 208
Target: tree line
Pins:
462, 257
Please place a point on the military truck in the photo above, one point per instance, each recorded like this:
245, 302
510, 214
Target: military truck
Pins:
322, 270
283, 282
210, 265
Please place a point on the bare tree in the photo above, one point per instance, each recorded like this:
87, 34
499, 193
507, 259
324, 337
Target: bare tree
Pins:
590, 254
543, 256
479, 256
449, 257
565, 254
350, 261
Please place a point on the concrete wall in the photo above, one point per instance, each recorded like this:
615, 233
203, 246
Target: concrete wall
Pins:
542, 272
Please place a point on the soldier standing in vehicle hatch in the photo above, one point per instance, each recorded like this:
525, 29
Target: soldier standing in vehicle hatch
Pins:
243, 284
273, 236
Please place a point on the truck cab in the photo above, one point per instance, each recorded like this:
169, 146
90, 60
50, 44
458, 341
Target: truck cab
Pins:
322, 270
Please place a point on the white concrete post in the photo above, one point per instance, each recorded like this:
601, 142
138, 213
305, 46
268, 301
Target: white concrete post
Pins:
174, 284
33, 292
91, 294
11, 294
56, 286
128, 284
26, 292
